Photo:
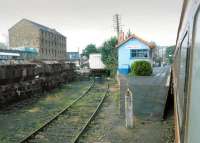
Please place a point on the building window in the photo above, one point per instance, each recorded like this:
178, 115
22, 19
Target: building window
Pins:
140, 53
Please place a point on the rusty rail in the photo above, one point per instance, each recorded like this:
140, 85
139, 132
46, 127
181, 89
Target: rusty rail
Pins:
56, 116
92, 117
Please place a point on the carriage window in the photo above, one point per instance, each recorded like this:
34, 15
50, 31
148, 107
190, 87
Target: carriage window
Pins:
194, 116
181, 98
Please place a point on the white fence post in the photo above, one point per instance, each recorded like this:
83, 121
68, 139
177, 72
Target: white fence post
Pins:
129, 109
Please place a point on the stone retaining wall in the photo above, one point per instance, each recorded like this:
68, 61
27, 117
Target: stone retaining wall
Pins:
23, 81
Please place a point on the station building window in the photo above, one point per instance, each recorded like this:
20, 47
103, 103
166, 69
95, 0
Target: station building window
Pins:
139, 53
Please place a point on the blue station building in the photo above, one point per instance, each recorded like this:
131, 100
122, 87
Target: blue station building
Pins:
133, 49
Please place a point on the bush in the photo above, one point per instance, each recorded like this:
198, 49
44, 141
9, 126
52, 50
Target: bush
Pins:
141, 68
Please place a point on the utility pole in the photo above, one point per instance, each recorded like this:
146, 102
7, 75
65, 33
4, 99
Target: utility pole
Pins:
117, 24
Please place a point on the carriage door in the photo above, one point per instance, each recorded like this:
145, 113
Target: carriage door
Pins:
194, 105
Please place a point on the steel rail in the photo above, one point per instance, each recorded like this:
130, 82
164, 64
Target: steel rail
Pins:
91, 117
56, 116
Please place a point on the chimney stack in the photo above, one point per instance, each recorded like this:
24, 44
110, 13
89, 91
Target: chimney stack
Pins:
121, 37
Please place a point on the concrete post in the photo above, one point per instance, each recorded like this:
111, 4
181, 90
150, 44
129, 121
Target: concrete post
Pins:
129, 109
123, 89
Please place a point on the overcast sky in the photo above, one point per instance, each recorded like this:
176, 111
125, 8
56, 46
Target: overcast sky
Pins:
90, 21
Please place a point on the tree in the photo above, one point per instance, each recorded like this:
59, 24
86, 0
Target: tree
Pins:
2, 46
109, 55
170, 53
91, 48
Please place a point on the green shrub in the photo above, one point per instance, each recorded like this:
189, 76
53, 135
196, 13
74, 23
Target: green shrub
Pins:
141, 68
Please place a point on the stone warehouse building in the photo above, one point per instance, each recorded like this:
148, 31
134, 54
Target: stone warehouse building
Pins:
50, 44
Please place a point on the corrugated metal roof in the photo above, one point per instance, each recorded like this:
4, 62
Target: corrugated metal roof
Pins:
150, 44
9, 54
26, 49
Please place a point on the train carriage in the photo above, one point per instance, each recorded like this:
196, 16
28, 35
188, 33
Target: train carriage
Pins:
186, 74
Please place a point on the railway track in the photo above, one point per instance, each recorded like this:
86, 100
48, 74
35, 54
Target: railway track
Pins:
69, 124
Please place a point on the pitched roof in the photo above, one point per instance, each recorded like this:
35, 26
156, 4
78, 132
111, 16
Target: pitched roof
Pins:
42, 27
150, 44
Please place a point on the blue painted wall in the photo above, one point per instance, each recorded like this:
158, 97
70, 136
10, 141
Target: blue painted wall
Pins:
124, 55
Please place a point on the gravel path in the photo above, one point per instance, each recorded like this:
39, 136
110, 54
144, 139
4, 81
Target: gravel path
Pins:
109, 127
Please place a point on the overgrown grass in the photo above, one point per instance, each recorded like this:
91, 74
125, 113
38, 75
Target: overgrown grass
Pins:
16, 124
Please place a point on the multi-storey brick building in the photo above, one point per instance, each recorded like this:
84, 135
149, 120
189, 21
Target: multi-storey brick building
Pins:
51, 45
